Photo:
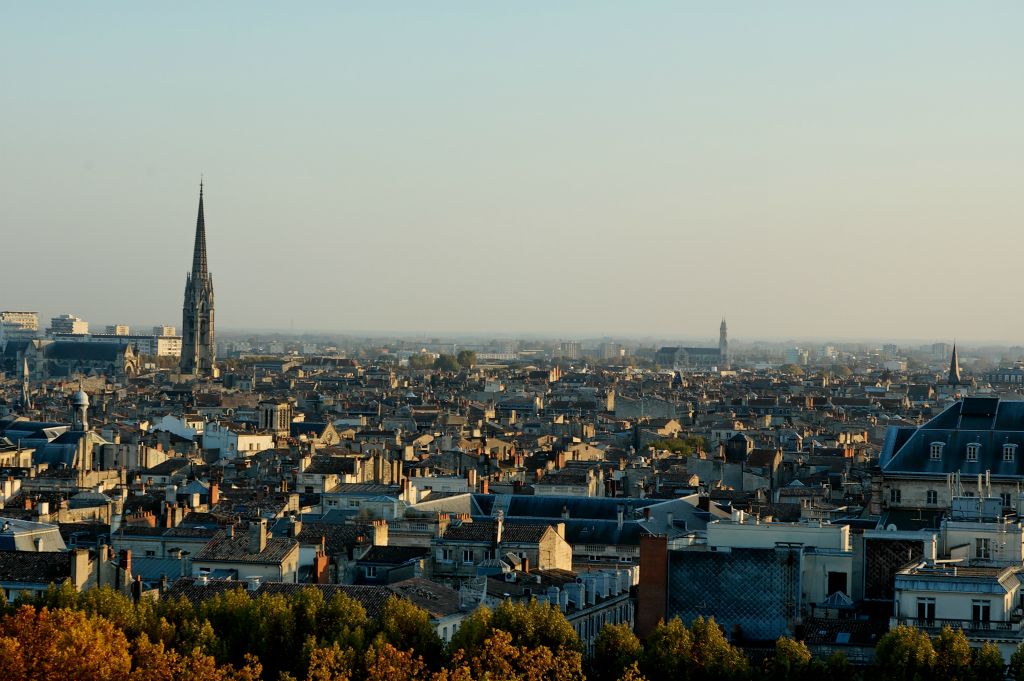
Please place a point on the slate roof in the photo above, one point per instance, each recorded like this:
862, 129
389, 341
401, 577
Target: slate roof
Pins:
30, 567
92, 352
486, 530
989, 422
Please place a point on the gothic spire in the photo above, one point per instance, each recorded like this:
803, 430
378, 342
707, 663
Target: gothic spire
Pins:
954, 368
199, 254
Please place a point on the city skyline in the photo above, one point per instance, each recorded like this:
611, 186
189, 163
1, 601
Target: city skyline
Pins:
395, 169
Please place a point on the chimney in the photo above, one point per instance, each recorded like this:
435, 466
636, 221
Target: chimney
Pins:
526, 565
258, 536
500, 525
79, 568
485, 487
126, 561
620, 515
214, 493
380, 533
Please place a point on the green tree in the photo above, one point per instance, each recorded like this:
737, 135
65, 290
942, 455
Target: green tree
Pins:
407, 627
616, 649
841, 370
904, 654
988, 662
666, 651
712, 656
791, 661
421, 360
466, 359
472, 633
446, 363
791, 370
535, 624
1017, 664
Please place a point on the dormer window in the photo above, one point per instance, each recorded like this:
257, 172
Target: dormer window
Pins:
1009, 452
972, 451
936, 451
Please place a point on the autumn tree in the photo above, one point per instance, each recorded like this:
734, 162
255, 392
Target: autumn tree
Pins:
952, 655
63, 645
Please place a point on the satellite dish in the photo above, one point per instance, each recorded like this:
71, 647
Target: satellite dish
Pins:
891, 528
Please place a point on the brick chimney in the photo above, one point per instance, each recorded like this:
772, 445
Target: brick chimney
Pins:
214, 493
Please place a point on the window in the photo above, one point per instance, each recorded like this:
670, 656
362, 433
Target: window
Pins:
489, 554
936, 451
895, 496
972, 451
926, 609
981, 611
932, 497
467, 555
371, 570
983, 548
1005, 498
446, 554
1009, 452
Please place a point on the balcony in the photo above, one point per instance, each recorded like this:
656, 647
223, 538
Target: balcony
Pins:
971, 628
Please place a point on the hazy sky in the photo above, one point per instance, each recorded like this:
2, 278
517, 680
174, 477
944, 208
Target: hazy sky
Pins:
576, 168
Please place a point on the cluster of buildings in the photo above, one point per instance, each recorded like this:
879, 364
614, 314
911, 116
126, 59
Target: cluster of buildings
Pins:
825, 505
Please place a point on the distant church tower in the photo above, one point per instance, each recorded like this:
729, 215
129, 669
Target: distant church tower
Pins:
953, 378
198, 352
723, 345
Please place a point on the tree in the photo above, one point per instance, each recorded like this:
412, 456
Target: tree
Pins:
535, 624
712, 655
1017, 664
407, 627
666, 651
328, 663
841, 370
791, 661
791, 369
63, 645
472, 633
466, 359
446, 363
421, 360
384, 662
904, 654
616, 649
952, 655
988, 662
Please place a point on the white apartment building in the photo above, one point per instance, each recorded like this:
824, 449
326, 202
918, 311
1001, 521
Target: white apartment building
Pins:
70, 324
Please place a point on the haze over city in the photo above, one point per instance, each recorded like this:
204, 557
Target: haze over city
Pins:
808, 169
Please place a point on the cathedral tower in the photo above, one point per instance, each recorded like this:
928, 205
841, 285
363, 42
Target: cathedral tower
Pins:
723, 346
198, 352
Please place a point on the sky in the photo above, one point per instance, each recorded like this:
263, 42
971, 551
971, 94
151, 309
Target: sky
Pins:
809, 169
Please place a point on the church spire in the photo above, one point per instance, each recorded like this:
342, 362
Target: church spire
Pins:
199, 254
954, 368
